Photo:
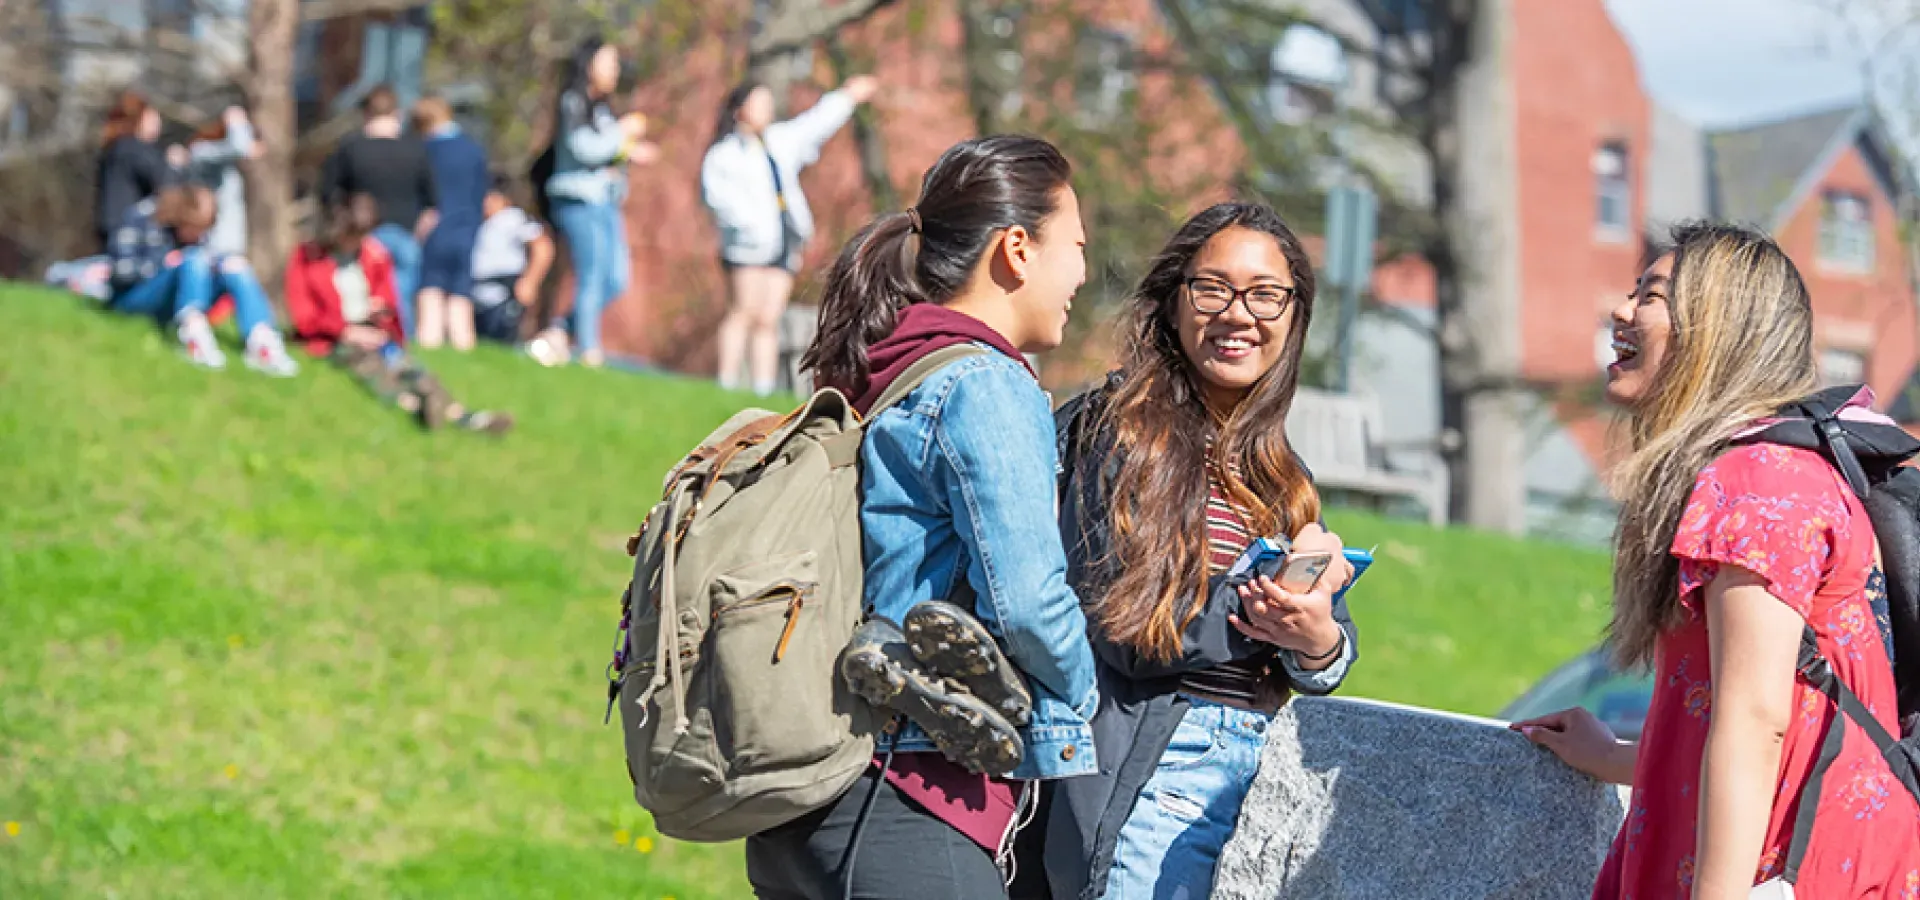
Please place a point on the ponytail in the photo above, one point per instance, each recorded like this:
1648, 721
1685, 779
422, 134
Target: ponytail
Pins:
868, 286
976, 190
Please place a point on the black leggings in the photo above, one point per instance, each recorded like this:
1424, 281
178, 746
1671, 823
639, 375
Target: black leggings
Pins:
905, 854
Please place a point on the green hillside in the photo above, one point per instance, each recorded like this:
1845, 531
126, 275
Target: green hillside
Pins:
263, 638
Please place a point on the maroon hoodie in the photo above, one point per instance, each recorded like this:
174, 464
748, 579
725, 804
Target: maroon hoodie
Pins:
978, 806
922, 329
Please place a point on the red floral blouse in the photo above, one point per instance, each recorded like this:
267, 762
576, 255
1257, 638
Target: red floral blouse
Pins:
1785, 515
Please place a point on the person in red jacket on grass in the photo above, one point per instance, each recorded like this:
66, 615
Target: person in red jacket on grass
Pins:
343, 302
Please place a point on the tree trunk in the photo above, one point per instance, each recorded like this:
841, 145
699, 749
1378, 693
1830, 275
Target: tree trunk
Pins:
273, 26
1476, 262
989, 82
867, 138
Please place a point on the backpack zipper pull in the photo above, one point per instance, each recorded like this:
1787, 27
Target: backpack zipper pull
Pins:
793, 619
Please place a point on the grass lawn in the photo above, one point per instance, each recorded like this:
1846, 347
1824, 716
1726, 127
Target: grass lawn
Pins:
264, 638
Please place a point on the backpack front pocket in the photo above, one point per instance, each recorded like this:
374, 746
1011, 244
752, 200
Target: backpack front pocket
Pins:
774, 667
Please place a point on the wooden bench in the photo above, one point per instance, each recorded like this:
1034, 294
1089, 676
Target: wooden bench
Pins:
1338, 435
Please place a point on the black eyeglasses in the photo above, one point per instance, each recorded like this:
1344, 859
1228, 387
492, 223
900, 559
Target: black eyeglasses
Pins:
1211, 296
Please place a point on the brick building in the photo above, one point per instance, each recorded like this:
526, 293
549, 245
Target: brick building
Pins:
1603, 172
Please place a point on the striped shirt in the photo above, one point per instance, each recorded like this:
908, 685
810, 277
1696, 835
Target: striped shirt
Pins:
1237, 682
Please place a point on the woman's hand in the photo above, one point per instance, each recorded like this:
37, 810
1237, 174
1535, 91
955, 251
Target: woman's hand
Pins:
1315, 539
1301, 622
861, 88
642, 153
1582, 741
633, 126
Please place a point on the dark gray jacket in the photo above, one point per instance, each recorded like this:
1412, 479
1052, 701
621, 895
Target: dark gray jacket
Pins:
1140, 703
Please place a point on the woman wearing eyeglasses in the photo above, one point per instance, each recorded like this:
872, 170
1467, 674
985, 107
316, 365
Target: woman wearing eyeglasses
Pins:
1172, 468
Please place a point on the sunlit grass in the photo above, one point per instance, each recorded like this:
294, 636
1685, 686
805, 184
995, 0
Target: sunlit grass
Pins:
263, 638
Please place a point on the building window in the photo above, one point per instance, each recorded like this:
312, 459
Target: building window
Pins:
1105, 79
1846, 231
1613, 189
1842, 366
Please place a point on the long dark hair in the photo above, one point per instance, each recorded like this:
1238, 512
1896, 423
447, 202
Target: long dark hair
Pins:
573, 78
1163, 429
976, 190
730, 110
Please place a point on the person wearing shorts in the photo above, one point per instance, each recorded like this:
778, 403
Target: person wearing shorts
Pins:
511, 255
446, 312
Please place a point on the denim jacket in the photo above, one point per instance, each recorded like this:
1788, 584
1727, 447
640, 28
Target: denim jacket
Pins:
958, 481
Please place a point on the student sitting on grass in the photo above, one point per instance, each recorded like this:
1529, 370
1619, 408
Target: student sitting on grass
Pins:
511, 257
341, 294
160, 267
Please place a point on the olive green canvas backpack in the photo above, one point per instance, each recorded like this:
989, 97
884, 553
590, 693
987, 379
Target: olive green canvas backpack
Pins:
747, 584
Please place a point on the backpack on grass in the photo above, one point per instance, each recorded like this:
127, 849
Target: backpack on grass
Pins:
1870, 452
747, 585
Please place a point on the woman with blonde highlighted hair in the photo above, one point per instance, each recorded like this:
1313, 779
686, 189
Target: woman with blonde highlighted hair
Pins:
1727, 553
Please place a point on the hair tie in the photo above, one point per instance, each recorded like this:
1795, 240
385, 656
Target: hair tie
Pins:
913, 220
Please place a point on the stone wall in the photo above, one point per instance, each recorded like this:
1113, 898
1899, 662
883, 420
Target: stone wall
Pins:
1364, 800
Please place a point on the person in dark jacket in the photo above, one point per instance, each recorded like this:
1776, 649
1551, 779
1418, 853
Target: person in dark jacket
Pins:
462, 180
132, 166
1170, 470
394, 170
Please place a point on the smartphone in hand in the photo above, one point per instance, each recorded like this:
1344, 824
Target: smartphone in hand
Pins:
1302, 571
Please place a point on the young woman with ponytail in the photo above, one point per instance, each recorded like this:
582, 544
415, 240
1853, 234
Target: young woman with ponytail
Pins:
957, 494
1172, 469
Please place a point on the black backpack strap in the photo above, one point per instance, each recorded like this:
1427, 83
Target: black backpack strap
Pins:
1834, 437
1813, 666
866, 808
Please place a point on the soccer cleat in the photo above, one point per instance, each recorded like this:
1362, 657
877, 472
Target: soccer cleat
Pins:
881, 668
953, 644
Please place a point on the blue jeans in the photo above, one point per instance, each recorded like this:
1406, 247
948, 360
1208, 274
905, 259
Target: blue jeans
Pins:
192, 284
1188, 809
406, 268
597, 244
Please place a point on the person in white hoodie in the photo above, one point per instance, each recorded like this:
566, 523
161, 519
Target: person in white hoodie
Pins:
750, 182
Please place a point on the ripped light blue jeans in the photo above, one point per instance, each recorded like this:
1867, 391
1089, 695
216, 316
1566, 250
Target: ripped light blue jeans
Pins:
1188, 809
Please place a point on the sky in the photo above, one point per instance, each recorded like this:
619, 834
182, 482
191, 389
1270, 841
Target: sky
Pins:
1731, 62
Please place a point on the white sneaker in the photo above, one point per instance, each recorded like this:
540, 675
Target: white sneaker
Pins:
267, 354
196, 337
547, 351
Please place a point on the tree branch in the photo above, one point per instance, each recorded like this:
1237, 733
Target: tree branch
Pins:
796, 24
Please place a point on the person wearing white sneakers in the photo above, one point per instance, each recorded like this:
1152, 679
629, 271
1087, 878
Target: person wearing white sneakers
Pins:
160, 267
